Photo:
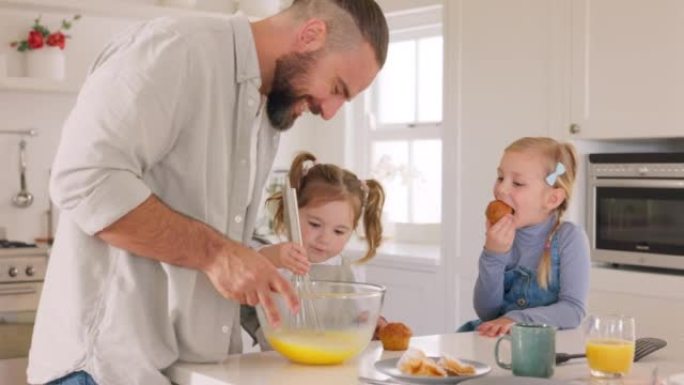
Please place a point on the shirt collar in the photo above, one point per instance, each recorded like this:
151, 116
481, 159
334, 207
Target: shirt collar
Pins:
246, 58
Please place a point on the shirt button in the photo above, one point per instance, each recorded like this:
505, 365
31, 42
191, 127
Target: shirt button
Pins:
250, 102
521, 302
225, 329
238, 219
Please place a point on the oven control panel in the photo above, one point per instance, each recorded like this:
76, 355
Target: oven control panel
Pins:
638, 170
22, 268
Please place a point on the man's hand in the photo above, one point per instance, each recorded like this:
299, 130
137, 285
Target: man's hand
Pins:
152, 230
499, 237
496, 327
246, 276
287, 255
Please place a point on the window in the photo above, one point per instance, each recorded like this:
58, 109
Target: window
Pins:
402, 116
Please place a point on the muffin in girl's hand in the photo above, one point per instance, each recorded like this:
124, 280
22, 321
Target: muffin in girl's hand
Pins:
496, 210
395, 336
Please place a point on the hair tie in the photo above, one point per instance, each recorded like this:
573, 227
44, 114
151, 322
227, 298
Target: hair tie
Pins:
551, 178
306, 166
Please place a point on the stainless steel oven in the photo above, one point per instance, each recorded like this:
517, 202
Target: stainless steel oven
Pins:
22, 270
635, 209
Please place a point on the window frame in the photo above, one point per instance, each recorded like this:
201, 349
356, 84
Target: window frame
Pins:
410, 25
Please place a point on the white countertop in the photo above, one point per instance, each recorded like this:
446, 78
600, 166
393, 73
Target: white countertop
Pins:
272, 369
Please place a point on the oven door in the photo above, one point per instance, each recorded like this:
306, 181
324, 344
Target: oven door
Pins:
18, 304
637, 222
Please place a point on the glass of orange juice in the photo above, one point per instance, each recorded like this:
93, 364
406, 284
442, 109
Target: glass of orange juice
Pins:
610, 345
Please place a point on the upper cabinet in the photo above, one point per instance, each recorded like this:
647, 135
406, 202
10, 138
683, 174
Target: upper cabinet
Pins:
627, 69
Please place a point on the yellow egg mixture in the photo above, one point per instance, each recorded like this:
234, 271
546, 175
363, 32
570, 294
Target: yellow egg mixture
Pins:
319, 348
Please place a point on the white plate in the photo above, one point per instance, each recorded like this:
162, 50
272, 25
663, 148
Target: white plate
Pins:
515, 381
389, 367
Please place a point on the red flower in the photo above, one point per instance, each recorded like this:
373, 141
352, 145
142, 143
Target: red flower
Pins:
56, 40
35, 39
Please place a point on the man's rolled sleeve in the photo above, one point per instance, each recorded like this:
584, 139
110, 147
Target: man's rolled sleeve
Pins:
118, 194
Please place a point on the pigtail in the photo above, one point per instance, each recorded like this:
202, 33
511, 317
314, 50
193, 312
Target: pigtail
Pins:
298, 170
296, 176
565, 154
544, 268
374, 201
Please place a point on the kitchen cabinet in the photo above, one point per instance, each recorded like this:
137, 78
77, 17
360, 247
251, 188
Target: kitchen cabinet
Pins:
414, 292
414, 281
627, 69
654, 299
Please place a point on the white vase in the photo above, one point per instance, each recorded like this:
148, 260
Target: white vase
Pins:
45, 63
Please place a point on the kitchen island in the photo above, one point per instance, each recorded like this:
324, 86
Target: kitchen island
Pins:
272, 369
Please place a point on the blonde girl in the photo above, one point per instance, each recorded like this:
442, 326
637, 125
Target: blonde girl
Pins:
534, 267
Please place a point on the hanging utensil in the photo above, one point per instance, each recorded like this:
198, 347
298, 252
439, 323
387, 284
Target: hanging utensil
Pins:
23, 198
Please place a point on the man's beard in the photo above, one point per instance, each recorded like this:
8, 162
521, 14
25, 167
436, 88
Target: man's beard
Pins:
284, 96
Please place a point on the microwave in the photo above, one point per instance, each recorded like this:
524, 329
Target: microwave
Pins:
635, 209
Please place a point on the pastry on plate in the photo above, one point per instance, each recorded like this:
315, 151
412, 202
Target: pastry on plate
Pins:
415, 363
455, 366
395, 336
496, 210
429, 368
411, 361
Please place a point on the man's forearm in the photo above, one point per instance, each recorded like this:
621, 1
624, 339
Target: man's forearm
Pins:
153, 230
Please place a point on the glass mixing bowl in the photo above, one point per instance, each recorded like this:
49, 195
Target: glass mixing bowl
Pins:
336, 322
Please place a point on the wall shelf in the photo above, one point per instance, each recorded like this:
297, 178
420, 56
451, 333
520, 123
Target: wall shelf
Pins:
105, 8
37, 85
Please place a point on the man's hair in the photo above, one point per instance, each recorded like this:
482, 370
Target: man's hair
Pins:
348, 21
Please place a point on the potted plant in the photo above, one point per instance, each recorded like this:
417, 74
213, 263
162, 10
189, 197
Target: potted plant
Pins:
44, 49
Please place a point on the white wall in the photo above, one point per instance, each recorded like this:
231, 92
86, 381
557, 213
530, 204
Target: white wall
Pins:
42, 111
401, 5
325, 139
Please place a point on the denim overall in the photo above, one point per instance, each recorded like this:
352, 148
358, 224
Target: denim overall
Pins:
521, 290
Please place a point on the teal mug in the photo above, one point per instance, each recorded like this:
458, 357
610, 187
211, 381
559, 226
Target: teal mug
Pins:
533, 350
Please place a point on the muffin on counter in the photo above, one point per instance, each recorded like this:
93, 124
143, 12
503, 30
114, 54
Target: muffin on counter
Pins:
395, 336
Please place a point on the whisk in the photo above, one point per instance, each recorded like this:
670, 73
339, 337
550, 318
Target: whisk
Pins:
306, 317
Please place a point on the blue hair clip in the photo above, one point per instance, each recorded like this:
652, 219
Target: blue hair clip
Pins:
551, 178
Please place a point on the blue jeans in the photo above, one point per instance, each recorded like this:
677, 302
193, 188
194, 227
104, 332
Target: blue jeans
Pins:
75, 378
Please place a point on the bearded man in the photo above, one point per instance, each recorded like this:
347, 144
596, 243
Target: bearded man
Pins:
158, 176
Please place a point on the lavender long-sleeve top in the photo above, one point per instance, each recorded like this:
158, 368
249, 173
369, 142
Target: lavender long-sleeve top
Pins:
526, 251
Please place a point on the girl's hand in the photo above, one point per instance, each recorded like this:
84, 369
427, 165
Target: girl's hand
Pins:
381, 324
499, 238
288, 255
495, 328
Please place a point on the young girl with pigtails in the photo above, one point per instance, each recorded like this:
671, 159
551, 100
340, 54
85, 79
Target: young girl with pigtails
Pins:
332, 202
534, 267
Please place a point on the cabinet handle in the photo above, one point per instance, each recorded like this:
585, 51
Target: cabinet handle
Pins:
575, 128
17, 290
